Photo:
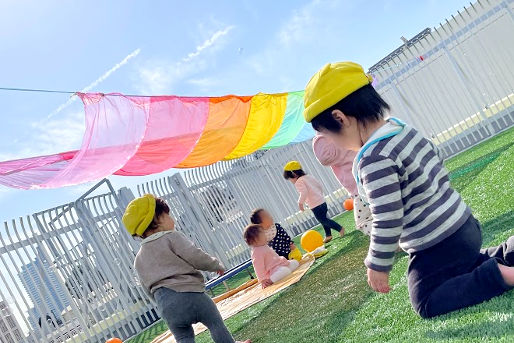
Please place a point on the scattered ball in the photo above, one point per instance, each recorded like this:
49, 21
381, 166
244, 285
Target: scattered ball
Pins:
311, 240
295, 255
348, 204
114, 340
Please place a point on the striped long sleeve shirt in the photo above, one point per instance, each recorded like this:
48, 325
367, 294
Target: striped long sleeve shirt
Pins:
408, 190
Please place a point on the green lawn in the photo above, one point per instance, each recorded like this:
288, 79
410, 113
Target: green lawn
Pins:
333, 302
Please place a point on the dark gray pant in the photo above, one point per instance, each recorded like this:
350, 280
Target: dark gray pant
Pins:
455, 273
320, 212
181, 310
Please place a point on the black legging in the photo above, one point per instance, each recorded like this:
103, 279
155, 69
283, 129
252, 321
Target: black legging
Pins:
320, 212
455, 273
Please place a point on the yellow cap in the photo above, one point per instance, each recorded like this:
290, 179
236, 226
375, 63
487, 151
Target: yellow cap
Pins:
333, 82
292, 165
139, 214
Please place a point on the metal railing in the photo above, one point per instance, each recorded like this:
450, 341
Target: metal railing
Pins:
66, 274
455, 82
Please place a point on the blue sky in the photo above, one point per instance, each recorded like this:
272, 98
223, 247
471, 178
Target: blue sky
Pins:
173, 47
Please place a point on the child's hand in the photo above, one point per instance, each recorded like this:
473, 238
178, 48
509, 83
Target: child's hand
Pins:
300, 206
220, 272
379, 281
266, 283
293, 247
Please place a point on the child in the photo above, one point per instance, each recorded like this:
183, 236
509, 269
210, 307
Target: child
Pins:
269, 267
168, 267
401, 175
341, 161
278, 239
311, 192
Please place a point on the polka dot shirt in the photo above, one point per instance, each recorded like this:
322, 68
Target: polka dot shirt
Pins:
282, 242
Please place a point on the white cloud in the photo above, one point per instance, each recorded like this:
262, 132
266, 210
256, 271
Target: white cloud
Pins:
60, 134
203, 83
50, 137
298, 26
310, 36
158, 77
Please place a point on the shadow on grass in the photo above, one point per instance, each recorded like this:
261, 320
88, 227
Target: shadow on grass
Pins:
496, 230
150, 333
461, 177
484, 330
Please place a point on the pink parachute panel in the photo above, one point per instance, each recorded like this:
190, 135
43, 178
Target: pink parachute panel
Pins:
173, 129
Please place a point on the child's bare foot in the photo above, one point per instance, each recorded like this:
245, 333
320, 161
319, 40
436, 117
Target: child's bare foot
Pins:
341, 233
507, 273
327, 239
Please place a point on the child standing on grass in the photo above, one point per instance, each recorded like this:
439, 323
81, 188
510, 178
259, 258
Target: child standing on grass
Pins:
401, 175
311, 192
168, 266
341, 162
269, 266
278, 239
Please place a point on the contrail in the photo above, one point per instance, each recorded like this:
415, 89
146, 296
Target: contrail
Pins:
209, 42
95, 83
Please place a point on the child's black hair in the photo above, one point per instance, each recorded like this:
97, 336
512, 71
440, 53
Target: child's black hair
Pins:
161, 207
365, 105
251, 233
255, 216
288, 174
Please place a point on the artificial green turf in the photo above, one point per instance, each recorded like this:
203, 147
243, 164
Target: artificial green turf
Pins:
333, 302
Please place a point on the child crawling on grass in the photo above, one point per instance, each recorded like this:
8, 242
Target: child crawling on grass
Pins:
400, 173
341, 162
278, 239
269, 266
168, 266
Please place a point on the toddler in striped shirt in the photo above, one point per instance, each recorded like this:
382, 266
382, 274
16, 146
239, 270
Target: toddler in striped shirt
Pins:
401, 175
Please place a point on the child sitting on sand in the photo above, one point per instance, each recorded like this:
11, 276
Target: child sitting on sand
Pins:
311, 192
341, 162
278, 239
269, 266
168, 266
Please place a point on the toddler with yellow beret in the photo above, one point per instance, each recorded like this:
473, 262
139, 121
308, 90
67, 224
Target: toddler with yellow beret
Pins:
400, 174
311, 193
168, 266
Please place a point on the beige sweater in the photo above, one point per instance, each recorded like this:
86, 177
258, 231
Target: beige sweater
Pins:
169, 259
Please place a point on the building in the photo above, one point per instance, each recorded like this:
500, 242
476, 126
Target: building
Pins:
10, 331
44, 290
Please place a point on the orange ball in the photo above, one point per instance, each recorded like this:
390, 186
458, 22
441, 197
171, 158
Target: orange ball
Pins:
348, 204
311, 240
114, 340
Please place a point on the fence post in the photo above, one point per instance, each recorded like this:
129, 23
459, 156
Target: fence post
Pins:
196, 216
462, 78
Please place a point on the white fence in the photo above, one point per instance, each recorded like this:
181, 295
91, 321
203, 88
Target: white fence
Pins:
456, 82
66, 273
